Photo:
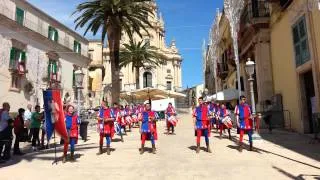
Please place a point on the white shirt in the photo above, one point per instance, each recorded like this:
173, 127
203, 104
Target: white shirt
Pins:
27, 115
4, 120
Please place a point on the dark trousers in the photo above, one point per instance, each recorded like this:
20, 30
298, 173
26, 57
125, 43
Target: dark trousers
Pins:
35, 136
6, 143
267, 119
16, 147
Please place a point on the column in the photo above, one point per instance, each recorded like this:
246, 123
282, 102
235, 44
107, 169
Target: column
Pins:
263, 71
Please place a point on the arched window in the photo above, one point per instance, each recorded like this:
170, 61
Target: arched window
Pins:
147, 79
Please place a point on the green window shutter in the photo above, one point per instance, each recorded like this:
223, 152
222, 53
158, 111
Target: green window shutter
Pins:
75, 46
49, 32
49, 69
79, 49
19, 15
54, 67
56, 35
12, 57
23, 58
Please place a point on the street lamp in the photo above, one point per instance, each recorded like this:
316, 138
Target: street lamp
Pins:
79, 75
250, 68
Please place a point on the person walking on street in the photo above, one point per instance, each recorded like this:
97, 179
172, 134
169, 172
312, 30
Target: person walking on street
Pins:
6, 125
201, 121
18, 130
35, 127
27, 120
224, 120
148, 128
268, 115
106, 121
171, 118
244, 121
72, 126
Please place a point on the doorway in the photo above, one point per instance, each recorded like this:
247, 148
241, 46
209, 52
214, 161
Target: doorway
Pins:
310, 100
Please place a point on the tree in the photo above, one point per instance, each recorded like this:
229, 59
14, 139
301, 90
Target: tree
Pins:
111, 18
139, 55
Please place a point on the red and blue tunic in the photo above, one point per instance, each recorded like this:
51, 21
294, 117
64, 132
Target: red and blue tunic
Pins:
170, 111
201, 113
222, 113
243, 112
72, 123
108, 126
149, 126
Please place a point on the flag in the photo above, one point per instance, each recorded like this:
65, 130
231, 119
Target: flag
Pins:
54, 114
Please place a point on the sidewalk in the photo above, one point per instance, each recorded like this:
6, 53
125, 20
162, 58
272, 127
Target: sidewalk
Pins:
281, 155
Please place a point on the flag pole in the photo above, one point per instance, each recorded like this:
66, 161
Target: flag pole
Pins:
55, 148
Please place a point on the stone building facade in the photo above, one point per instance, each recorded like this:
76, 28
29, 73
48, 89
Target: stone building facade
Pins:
282, 38
167, 76
37, 52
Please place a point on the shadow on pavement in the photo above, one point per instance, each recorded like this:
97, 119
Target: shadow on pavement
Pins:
193, 148
259, 150
300, 177
43, 155
293, 141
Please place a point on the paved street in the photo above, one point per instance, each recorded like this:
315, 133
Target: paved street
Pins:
176, 159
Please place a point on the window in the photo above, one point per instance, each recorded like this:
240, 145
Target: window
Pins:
147, 79
242, 84
168, 71
17, 60
300, 41
19, 16
53, 34
53, 70
77, 47
120, 82
169, 85
15, 81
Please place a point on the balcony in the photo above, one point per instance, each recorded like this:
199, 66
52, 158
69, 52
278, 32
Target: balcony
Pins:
223, 70
256, 13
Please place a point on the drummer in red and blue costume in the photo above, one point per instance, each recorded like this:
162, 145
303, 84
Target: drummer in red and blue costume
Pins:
223, 113
148, 128
212, 111
118, 120
72, 124
170, 111
244, 121
201, 120
127, 116
106, 120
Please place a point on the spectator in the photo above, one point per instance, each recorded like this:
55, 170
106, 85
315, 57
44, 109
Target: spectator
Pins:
35, 127
6, 125
27, 120
268, 115
18, 130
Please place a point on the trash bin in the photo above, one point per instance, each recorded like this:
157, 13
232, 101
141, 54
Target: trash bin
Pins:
84, 130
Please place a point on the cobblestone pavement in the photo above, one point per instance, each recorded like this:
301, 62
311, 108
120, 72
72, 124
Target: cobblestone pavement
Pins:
281, 155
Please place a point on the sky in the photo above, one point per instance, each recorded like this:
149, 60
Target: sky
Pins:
186, 21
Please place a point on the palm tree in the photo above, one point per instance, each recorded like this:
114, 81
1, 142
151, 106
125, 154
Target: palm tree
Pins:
111, 18
139, 55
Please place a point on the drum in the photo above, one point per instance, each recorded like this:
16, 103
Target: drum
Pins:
227, 121
128, 120
173, 120
134, 118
